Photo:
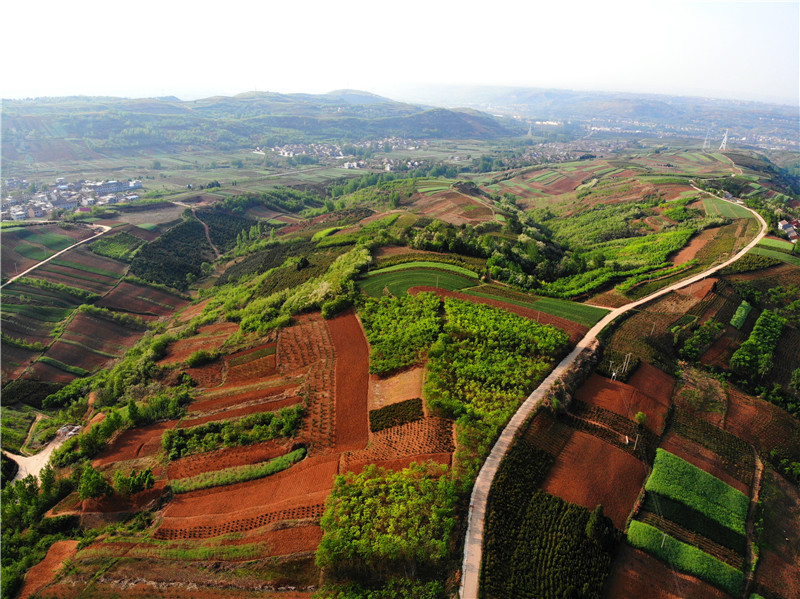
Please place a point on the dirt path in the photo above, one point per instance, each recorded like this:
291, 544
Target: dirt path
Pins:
208, 234
473, 544
36, 420
34, 464
57, 254
751, 522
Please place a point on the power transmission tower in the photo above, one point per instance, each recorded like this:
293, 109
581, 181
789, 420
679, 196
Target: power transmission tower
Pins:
724, 145
706, 143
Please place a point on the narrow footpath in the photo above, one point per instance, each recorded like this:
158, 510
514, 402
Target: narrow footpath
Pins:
473, 544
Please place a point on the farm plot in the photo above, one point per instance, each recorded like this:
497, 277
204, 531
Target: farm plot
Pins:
454, 207
623, 399
635, 573
253, 364
701, 457
776, 254
405, 385
576, 478
352, 363
221, 398
15, 361
141, 299
23, 247
717, 207
779, 563
573, 329
90, 343
414, 439
226, 457
400, 281
208, 338
31, 324
292, 494
134, 443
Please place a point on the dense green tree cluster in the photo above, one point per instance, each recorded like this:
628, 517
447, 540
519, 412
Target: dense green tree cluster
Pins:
247, 430
26, 534
753, 359
399, 330
380, 522
175, 258
695, 345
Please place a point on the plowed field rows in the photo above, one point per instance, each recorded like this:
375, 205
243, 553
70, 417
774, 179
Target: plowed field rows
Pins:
134, 443
96, 283
692, 538
226, 457
427, 436
635, 573
39, 371
576, 477
141, 299
221, 398
207, 376
294, 494
703, 458
625, 400
573, 329
45, 571
209, 338
255, 369
302, 344
251, 408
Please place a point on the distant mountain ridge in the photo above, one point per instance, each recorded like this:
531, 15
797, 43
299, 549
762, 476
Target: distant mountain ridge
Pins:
81, 126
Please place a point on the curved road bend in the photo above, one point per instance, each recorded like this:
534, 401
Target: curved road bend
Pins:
473, 544
104, 228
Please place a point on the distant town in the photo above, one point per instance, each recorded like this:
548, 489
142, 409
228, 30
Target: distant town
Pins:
26, 200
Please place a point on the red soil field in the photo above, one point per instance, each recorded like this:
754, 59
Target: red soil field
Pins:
352, 382
690, 250
226, 397
141, 299
699, 289
719, 354
242, 411
252, 370
703, 458
399, 463
779, 564
43, 573
134, 443
625, 400
760, 423
85, 257
573, 329
609, 299
39, 371
115, 504
638, 575
303, 343
453, 207
209, 337
576, 477
426, 436
20, 326
192, 310
227, 457
86, 333
15, 360
210, 375
296, 493
653, 382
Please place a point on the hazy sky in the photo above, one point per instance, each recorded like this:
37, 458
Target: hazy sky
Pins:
743, 50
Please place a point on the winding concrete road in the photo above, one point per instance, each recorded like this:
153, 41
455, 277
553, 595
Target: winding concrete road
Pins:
104, 228
473, 545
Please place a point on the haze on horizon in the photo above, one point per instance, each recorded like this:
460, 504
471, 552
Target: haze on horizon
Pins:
732, 50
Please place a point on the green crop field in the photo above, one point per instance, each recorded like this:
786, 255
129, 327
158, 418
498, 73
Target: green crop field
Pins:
574, 311
32, 252
685, 558
778, 244
778, 255
716, 206
679, 480
398, 282
424, 264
